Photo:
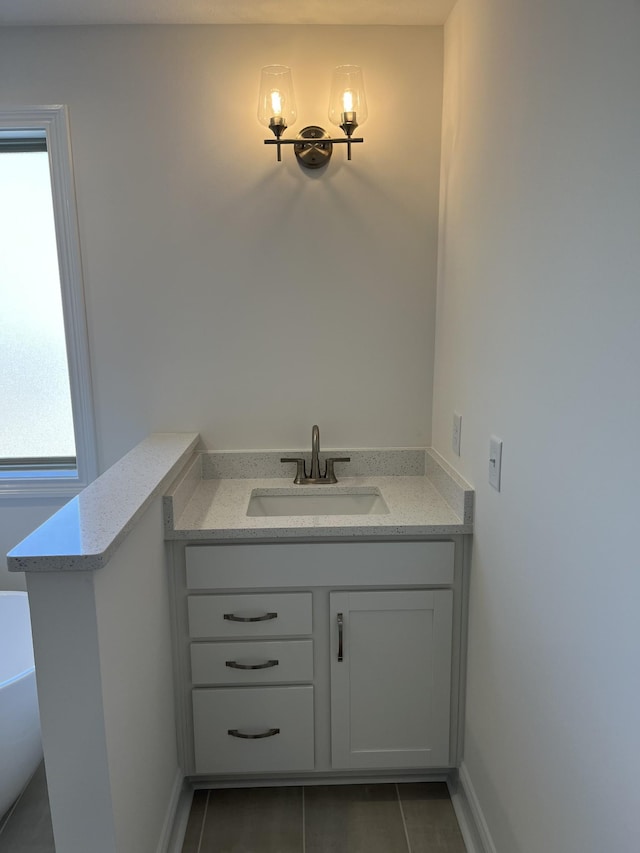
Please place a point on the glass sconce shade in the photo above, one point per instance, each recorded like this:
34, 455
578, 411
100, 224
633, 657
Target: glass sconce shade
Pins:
347, 101
276, 101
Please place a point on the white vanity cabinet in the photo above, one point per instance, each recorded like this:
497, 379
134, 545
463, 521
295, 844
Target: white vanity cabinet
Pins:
303, 659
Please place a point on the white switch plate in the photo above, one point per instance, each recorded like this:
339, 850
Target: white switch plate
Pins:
495, 461
455, 433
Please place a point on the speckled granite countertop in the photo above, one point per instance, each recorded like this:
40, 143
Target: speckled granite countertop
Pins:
206, 496
427, 499
84, 533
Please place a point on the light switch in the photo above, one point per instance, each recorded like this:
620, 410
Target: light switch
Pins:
455, 433
495, 461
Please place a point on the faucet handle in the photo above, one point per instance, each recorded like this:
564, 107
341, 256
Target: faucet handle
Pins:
329, 474
301, 473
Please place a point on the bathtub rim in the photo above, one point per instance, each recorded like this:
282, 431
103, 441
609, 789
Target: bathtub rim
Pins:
23, 673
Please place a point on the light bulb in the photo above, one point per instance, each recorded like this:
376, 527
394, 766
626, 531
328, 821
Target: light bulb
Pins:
276, 104
347, 102
276, 101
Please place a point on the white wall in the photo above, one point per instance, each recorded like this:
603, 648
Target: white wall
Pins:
227, 293
67, 654
134, 634
537, 342
102, 643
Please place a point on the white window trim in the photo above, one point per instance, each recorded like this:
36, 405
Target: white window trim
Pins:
54, 121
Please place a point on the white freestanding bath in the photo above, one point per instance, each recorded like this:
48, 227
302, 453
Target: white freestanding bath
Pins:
20, 743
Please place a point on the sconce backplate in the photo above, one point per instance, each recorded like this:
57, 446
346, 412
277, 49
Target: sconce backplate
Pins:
311, 151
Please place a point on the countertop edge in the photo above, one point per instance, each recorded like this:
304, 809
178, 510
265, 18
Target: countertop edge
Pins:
317, 533
86, 536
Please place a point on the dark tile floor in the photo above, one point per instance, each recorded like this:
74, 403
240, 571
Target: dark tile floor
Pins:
26, 828
385, 818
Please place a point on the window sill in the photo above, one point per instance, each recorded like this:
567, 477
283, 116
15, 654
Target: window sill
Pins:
40, 484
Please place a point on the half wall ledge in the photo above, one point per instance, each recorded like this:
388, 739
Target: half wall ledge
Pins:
85, 532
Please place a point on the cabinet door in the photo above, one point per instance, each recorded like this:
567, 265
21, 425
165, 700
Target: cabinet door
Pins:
390, 692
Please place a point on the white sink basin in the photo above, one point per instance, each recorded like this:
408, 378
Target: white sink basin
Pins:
289, 502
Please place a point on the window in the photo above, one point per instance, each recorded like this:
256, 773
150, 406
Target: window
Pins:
47, 443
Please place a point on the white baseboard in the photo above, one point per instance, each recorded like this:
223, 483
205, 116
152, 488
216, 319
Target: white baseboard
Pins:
473, 825
175, 821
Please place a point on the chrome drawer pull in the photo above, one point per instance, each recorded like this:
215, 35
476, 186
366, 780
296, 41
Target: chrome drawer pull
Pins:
232, 664
231, 617
340, 637
249, 736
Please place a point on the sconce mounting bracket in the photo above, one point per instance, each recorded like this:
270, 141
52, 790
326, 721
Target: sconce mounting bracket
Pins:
313, 148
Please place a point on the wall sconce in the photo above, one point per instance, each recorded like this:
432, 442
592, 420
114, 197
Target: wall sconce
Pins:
314, 146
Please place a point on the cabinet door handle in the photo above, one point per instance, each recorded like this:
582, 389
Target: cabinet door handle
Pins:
232, 617
233, 664
253, 736
340, 637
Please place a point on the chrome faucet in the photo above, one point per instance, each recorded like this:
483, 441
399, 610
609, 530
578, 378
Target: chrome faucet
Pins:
315, 478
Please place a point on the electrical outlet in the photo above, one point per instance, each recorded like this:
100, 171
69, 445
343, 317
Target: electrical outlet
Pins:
495, 461
455, 433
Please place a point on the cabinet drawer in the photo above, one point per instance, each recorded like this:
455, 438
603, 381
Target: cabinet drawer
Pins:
252, 663
335, 564
253, 615
282, 715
